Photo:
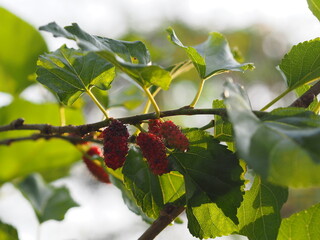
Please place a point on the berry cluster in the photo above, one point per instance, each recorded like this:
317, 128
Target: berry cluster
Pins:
153, 144
94, 165
115, 144
154, 150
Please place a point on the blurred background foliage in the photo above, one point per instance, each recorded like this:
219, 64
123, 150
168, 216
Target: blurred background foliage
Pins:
20, 45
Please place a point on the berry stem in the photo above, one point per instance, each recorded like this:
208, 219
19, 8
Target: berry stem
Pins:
276, 99
153, 102
196, 98
95, 100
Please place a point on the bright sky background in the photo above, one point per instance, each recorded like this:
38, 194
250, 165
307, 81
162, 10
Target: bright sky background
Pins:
112, 19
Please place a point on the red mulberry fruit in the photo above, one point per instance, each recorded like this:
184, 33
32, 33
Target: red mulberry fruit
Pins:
154, 150
93, 166
154, 126
115, 144
173, 136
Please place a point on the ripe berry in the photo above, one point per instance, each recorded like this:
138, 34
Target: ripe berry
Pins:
94, 166
173, 136
154, 150
115, 144
154, 126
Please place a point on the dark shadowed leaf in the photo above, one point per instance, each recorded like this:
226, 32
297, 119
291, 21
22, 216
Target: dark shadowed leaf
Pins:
145, 186
20, 46
213, 185
68, 73
284, 149
132, 58
211, 57
129, 199
259, 213
48, 202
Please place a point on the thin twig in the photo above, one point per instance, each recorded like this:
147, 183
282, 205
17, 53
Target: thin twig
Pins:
34, 137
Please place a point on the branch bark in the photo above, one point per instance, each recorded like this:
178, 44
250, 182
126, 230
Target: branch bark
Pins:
81, 130
167, 215
307, 98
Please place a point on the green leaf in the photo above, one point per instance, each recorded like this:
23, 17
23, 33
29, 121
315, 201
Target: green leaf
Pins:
211, 57
314, 6
173, 187
8, 232
285, 152
259, 213
20, 46
129, 199
145, 186
132, 58
69, 73
53, 158
301, 65
222, 127
302, 225
213, 185
48, 202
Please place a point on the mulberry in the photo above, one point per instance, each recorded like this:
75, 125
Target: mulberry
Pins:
154, 126
154, 150
115, 141
94, 166
173, 136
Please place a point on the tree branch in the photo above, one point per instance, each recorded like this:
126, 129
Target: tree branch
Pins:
81, 130
72, 139
307, 98
167, 215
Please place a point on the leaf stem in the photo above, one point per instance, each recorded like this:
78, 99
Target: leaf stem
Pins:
196, 98
276, 99
95, 100
153, 102
62, 112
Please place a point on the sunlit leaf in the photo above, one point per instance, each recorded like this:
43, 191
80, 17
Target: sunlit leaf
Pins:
48, 202
222, 127
20, 46
211, 57
301, 225
314, 6
301, 64
259, 213
283, 150
8, 232
132, 58
69, 73
23, 158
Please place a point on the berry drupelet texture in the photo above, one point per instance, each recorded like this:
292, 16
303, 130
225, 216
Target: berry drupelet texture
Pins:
154, 126
154, 150
93, 166
173, 136
115, 141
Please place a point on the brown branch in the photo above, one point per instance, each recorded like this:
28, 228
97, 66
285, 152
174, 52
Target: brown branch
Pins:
34, 137
307, 98
81, 130
167, 215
